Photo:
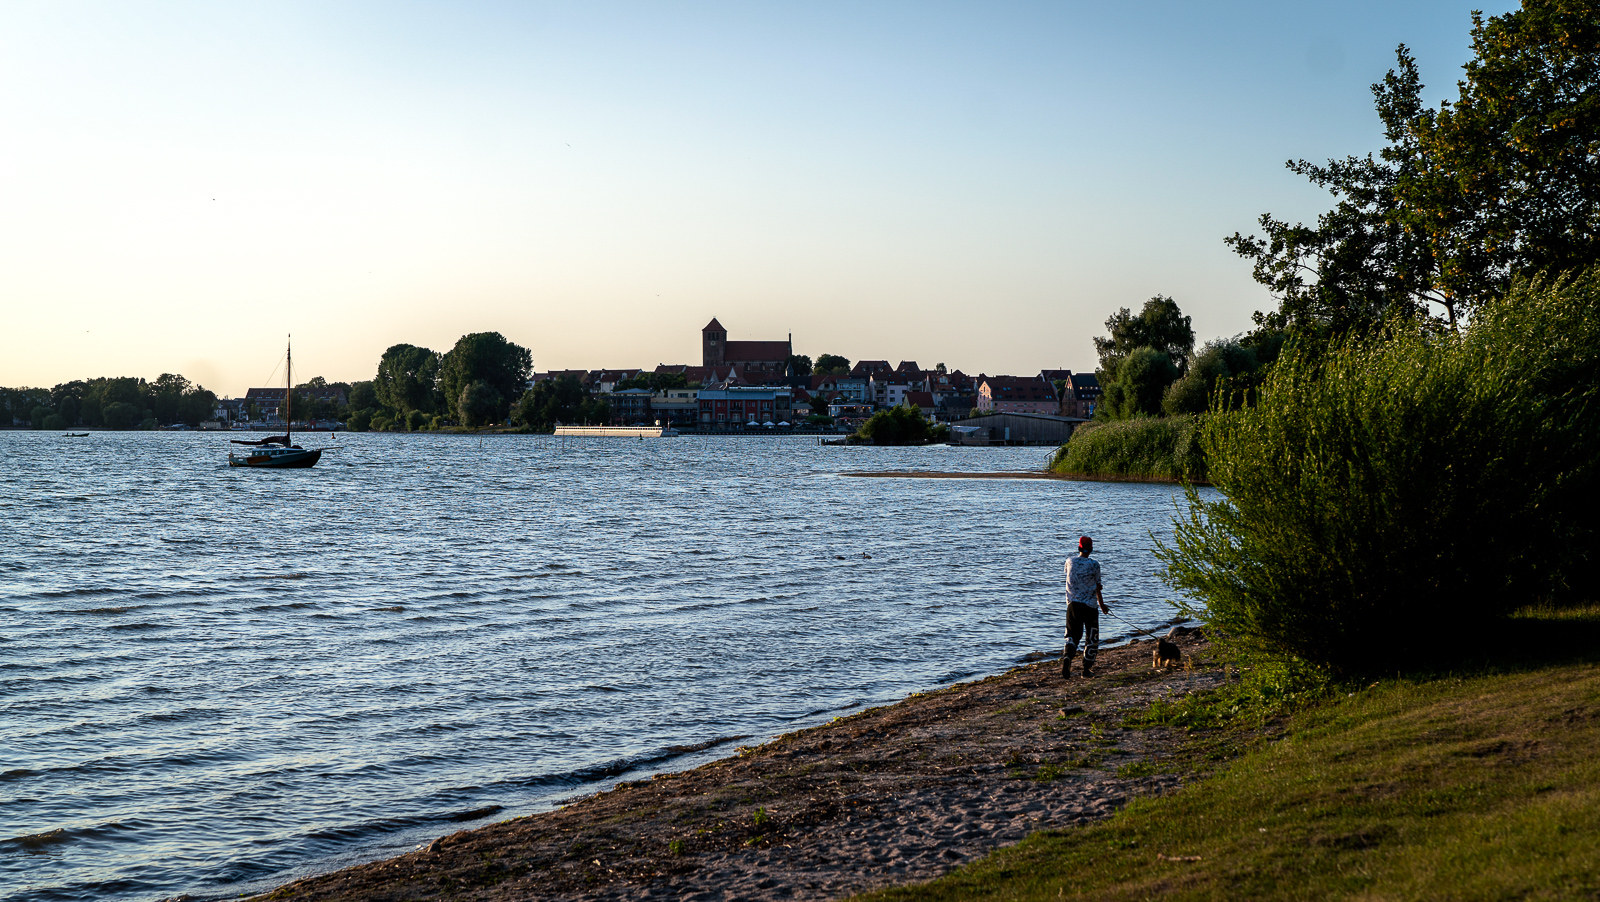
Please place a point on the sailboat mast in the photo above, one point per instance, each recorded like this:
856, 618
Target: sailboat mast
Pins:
288, 394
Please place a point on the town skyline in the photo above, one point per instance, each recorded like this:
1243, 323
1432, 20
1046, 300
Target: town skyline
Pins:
187, 185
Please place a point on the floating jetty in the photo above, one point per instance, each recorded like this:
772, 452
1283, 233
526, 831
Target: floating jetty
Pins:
619, 431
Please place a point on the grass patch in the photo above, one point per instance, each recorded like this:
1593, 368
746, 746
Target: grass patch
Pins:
1160, 448
1480, 787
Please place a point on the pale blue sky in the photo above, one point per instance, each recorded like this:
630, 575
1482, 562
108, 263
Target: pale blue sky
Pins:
182, 184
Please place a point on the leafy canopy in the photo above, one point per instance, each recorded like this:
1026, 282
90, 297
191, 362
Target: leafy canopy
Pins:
1504, 180
1159, 325
489, 358
1403, 484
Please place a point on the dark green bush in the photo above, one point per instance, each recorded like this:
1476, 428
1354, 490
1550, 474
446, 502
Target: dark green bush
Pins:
899, 425
1390, 498
1142, 448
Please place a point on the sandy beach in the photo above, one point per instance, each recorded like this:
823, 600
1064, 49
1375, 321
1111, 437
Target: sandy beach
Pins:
887, 796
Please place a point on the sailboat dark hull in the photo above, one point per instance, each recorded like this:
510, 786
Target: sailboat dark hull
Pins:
277, 459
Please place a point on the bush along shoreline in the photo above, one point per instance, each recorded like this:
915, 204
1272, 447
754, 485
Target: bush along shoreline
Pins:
1143, 449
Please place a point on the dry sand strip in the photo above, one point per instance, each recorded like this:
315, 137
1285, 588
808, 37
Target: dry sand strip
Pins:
1014, 474
887, 796
944, 474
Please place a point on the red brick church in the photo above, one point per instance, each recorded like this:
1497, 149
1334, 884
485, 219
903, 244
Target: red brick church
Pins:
753, 358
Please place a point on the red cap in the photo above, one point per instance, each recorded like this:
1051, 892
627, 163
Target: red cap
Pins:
1085, 543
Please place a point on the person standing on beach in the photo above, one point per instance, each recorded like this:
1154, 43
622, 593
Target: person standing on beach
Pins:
1083, 617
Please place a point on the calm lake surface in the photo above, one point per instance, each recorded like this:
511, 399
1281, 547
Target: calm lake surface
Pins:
216, 680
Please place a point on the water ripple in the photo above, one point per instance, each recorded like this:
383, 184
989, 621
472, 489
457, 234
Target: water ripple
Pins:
230, 678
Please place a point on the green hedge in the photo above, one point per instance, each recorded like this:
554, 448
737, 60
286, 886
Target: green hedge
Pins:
1388, 500
1158, 448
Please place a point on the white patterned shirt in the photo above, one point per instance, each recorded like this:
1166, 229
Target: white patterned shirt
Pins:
1083, 579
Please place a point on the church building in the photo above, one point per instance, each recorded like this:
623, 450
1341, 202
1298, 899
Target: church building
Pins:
755, 359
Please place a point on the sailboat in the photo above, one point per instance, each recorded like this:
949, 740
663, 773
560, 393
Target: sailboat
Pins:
278, 452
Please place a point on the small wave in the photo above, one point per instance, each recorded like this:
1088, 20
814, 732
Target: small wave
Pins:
277, 576
37, 843
72, 593
284, 606
677, 750
955, 676
123, 609
16, 774
137, 627
181, 541
391, 609
604, 688
607, 770
474, 813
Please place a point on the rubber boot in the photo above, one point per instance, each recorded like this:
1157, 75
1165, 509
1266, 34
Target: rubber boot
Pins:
1066, 666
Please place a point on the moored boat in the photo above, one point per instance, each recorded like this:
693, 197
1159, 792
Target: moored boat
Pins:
278, 452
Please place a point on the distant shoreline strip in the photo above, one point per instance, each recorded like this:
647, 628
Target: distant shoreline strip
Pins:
1027, 474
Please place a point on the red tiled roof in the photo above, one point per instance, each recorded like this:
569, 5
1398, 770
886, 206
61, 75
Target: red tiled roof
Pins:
756, 350
1014, 388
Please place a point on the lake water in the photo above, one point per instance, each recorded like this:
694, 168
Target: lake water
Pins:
216, 680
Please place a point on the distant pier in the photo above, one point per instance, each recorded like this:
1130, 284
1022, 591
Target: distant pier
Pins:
619, 431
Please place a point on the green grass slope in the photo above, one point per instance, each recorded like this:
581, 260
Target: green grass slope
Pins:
1480, 787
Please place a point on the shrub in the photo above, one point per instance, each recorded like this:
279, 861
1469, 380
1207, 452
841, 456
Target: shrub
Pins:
1142, 448
1393, 495
1141, 380
899, 425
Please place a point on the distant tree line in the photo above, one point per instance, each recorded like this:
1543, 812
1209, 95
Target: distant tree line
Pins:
481, 381
114, 403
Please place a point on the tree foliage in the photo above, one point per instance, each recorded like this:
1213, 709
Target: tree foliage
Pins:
800, 364
1231, 365
1403, 484
122, 402
479, 405
655, 382
1159, 325
831, 365
1141, 381
1504, 180
407, 379
487, 357
561, 399
899, 425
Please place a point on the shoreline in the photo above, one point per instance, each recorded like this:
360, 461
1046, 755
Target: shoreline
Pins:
1024, 474
882, 797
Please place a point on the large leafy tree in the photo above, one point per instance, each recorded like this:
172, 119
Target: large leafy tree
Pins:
486, 357
1502, 181
1159, 324
407, 378
562, 399
1142, 380
1515, 185
832, 365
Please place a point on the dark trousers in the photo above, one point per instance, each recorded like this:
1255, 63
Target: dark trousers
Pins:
1083, 622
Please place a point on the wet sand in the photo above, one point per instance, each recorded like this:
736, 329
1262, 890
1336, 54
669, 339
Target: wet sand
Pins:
887, 796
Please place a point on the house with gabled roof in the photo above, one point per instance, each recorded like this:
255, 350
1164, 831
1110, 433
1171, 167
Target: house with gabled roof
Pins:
1017, 394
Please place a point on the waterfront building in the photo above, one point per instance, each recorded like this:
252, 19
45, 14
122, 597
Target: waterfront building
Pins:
736, 406
1082, 397
677, 407
630, 407
1017, 394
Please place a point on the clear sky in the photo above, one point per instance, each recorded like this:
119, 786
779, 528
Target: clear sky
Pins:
981, 184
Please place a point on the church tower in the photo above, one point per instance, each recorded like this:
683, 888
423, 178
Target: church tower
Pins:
713, 344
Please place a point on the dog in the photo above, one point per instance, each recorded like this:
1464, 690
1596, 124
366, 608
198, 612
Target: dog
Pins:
1165, 654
